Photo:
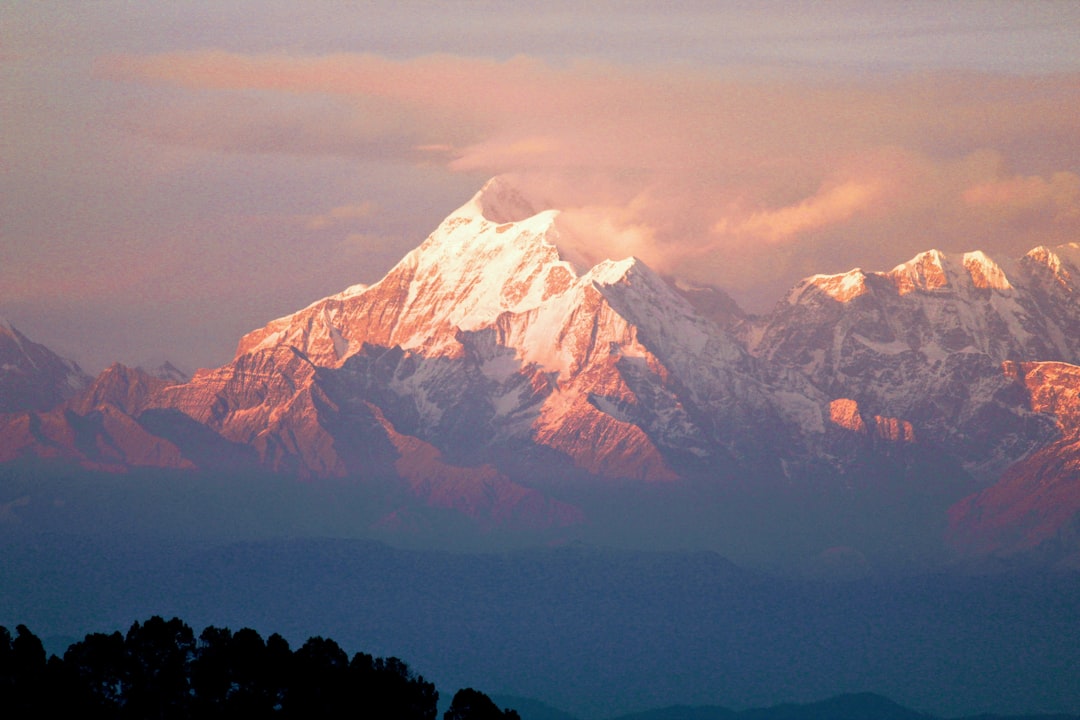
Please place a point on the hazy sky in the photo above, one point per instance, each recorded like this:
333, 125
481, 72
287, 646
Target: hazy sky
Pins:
173, 175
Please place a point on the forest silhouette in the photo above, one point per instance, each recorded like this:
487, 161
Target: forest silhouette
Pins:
159, 669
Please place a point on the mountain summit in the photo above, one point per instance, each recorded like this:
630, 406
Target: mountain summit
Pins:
33, 377
486, 375
500, 339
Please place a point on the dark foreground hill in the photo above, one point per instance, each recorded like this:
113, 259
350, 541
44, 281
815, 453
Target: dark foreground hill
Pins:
855, 706
597, 632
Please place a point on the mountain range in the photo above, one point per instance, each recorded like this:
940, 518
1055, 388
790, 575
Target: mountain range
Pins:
492, 378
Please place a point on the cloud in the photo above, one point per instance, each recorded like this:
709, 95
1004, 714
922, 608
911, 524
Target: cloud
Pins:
685, 167
828, 207
339, 215
1060, 194
592, 233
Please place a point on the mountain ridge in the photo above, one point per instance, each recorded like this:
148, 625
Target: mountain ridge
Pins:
485, 354
31, 375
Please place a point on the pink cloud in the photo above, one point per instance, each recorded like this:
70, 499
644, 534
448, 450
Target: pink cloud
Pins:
1061, 193
679, 166
828, 207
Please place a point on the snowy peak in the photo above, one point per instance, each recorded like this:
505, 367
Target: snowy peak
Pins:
842, 288
1045, 256
499, 201
1062, 263
929, 272
925, 271
610, 272
494, 255
984, 272
935, 271
493, 326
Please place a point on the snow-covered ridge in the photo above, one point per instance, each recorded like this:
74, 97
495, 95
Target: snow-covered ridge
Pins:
984, 272
487, 333
1058, 261
931, 271
925, 271
499, 201
934, 270
842, 287
493, 255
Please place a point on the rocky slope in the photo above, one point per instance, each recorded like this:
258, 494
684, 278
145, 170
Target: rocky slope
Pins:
1037, 500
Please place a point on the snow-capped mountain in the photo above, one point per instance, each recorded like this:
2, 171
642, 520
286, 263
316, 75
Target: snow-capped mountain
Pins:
32, 377
925, 342
486, 335
488, 368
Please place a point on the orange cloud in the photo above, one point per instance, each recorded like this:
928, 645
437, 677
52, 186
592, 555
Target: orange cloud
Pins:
828, 207
682, 167
1060, 193
590, 234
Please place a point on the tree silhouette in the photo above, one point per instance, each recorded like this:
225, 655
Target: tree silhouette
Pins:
96, 671
159, 671
319, 686
390, 683
469, 704
239, 675
159, 655
23, 673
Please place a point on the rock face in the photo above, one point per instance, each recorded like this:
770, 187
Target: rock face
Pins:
96, 429
486, 365
32, 377
1037, 500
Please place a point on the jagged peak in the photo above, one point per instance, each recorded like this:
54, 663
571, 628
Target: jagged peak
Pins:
634, 271
125, 387
984, 272
925, 271
163, 369
842, 287
934, 270
1045, 256
609, 272
929, 271
499, 201
497, 216
1062, 261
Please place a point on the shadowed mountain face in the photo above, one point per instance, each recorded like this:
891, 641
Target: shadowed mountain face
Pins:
32, 377
488, 376
1036, 503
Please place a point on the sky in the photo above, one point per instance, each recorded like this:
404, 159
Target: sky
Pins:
173, 175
